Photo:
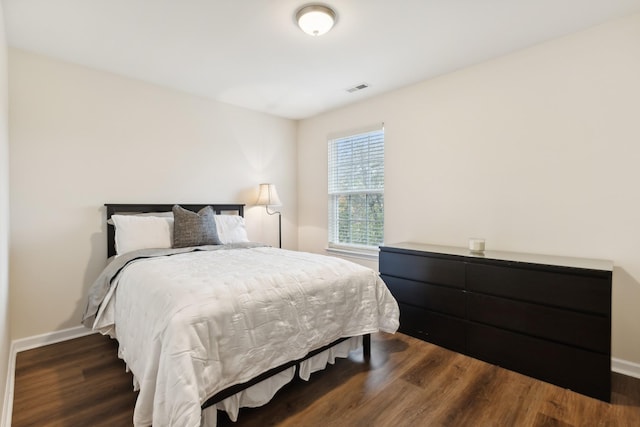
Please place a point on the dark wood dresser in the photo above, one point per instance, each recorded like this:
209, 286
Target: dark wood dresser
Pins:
543, 316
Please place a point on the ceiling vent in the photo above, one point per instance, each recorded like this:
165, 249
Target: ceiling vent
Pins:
358, 87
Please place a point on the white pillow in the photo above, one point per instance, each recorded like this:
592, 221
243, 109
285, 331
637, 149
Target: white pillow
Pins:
231, 229
161, 214
142, 232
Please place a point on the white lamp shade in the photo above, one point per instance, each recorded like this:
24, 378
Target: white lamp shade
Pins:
315, 20
268, 196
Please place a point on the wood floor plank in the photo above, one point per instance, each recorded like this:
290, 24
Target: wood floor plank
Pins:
625, 396
407, 382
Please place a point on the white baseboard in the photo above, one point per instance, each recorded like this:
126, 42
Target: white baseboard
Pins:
625, 367
36, 341
28, 344
7, 407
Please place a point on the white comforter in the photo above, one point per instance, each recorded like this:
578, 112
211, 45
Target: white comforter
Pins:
192, 324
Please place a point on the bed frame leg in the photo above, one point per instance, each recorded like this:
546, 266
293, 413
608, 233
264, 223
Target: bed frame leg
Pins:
366, 347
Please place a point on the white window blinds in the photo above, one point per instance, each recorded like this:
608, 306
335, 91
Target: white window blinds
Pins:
356, 190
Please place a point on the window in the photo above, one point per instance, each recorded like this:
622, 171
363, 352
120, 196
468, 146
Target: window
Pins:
356, 191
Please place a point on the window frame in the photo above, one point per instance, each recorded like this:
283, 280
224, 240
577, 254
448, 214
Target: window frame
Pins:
376, 174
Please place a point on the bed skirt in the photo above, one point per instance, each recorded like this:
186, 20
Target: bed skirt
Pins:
262, 392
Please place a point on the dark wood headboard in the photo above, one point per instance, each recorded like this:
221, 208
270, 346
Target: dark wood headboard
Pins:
113, 208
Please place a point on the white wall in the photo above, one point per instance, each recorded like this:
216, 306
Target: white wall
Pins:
4, 215
80, 138
537, 151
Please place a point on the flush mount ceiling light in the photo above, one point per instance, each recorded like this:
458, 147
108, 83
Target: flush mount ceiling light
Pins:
315, 19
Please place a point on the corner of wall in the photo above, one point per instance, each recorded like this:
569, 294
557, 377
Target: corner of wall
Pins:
5, 351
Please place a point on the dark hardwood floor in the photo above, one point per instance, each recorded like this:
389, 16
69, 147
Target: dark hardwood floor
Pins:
407, 383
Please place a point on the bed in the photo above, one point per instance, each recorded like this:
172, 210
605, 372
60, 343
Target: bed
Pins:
217, 326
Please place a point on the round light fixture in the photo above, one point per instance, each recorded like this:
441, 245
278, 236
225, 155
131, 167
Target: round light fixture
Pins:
315, 19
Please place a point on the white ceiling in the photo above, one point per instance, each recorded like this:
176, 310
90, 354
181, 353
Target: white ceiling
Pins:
251, 54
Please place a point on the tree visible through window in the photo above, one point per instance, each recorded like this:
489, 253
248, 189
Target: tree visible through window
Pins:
356, 190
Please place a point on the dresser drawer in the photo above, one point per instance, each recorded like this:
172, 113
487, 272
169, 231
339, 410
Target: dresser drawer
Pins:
574, 291
436, 328
579, 370
588, 331
423, 269
435, 298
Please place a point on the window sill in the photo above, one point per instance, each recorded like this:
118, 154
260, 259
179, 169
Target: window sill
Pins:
354, 253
